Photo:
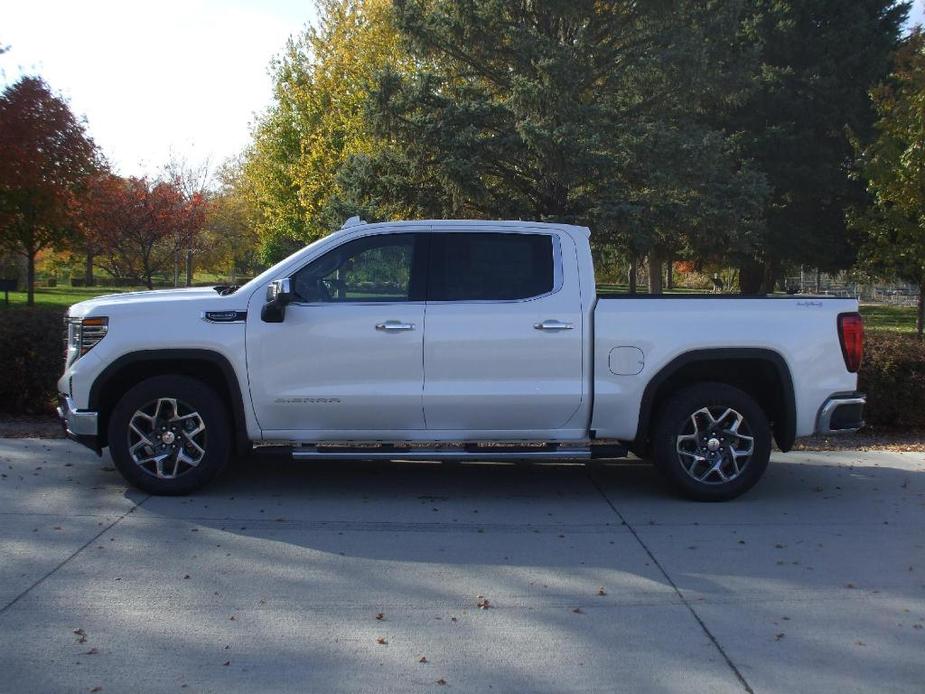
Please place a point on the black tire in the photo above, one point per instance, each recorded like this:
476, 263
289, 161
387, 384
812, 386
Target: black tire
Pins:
683, 426
189, 396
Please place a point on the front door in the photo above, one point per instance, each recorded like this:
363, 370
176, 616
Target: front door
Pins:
349, 355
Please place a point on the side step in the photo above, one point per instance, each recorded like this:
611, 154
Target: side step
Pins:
469, 452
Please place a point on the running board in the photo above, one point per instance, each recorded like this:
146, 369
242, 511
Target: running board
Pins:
457, 453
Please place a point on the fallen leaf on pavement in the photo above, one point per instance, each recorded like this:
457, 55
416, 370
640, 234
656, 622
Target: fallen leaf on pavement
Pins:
422, 659
380, 616
381, 641
601, 591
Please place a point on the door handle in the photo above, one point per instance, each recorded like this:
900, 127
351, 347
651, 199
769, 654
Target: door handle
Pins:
392, 326
553, 325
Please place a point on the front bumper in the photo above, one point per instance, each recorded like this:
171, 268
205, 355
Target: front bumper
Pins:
841, 413
79, 425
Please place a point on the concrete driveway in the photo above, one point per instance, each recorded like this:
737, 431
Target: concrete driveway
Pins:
368, 577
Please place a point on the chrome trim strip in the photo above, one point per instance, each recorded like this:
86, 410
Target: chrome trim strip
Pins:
443, 454
558, 279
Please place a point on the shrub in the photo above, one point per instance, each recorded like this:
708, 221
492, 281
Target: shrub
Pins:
31, 359
893, 376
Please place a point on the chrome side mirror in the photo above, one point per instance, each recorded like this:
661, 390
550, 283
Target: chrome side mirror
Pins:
279, 293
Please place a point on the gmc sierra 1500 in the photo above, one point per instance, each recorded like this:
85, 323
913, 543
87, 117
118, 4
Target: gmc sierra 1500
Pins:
471, 340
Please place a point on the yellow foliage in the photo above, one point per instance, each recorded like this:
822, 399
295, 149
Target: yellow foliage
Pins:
316, 120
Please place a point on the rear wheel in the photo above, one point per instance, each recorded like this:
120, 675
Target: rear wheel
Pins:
712, 441
169, 435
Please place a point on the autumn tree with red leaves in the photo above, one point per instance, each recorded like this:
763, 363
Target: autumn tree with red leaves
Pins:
134, 223
45, 159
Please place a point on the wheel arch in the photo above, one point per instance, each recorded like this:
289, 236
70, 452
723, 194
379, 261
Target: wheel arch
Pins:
204, 365
762, 373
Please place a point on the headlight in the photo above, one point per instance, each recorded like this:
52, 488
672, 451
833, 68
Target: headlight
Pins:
84, 334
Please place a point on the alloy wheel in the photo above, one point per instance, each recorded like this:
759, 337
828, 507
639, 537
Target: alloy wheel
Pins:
166, 438
715, 445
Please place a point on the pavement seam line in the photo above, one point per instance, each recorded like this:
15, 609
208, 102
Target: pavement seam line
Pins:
674, 586
80, 549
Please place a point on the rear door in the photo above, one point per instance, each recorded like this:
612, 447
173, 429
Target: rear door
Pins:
502, 349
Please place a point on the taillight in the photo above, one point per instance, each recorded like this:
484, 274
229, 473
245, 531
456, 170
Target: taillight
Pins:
851, 337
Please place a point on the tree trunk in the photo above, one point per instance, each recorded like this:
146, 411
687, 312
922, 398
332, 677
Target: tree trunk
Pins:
751, 276
632, 274
148, 272
655, 273
189, 268
88, 270
669, 275
176, 268
920, 318
30, 277
770, 278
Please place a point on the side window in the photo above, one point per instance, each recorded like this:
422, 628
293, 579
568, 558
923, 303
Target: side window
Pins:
372, 268
490, 267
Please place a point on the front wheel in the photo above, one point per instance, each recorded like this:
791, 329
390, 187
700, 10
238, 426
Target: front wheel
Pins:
712, 441
169, 435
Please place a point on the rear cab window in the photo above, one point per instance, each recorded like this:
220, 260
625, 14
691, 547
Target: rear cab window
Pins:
492, 266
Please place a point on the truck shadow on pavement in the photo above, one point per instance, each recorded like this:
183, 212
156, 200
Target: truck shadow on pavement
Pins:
816, 577
524, 578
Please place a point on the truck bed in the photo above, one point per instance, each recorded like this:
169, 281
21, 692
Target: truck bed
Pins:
638, 336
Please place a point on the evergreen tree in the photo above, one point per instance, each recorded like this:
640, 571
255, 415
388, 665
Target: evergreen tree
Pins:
570, 110
816, 61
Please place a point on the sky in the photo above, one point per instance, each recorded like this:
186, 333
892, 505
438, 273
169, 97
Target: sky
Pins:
180, 78
154, 79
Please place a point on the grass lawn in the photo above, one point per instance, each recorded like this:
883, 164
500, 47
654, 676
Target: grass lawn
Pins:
886, 317
63, 296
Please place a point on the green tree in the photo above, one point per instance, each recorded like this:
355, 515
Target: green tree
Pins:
230, 240
815, 61
46, 157
578, 111
316, 120
893, 167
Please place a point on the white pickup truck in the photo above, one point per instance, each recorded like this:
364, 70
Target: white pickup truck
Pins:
454, 340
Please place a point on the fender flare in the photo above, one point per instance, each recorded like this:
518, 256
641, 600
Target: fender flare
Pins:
180, 355
784, 431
